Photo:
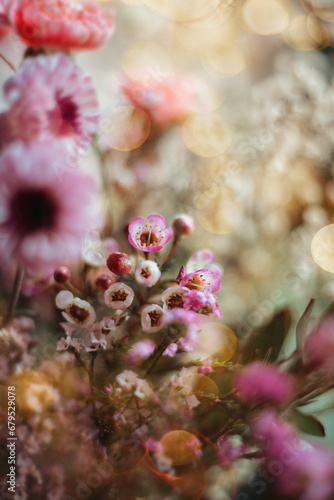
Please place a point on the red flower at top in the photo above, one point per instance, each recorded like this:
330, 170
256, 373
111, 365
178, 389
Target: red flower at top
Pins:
66, 24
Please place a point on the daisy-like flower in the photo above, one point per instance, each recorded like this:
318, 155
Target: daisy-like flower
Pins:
203, 302
200, 280
152, 318
49, 97
64, 24
147, 273
76, 310
174, 297
42, 217
149, 236
119, 296
203, 258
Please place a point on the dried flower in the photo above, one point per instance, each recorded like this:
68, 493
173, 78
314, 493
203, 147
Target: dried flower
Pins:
119, 296
147, 273
149, 236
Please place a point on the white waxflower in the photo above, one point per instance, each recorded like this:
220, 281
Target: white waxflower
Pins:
147, 273
152, 318
119, 296
76, 310
173, 297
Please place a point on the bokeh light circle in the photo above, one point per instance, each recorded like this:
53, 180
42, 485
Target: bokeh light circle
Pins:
206, 135
219, 210
265, 18
322, 248
181, 447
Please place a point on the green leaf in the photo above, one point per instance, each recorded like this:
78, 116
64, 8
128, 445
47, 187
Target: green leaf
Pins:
308, 424
302, 326
266, 342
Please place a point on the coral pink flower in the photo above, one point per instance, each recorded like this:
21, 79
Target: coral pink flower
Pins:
259, 383
42, 218
49, 97
65, 24
149, 236
202, 279
319, 347
166, 102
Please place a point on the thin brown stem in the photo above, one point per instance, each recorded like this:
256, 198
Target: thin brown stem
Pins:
4, 58
14, 297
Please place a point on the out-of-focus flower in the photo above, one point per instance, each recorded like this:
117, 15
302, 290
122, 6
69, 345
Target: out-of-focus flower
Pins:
70, 342
96, 340
147, 273
152, 318
42, 217
5, 26
167, 101
182, 392
319, 347
149, 236
231, 447
260, 383
95, 251
77, 311
205, 368
201, 279
62, 275
49, 97
64, 24
203, 258
182, 326
183, 225
203, 302
119, 263
119, 296
141, 350
171, 350
143, 389
174, 297
34, 394
127, 380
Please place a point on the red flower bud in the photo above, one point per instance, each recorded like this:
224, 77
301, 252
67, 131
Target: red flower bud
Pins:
62, 275
119, 263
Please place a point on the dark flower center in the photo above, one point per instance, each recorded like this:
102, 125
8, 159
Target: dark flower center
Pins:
148, 238
68, 109
78, 313
154, 317
34, 210
119, 296
175, 301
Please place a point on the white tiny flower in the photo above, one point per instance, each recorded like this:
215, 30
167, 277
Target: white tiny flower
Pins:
119, 296
152, 318
127, 380
63, 299
80, 312
173, 297
143, 389
147, 273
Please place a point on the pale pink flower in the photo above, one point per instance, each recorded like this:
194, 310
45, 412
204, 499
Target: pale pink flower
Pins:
260, 383
96, 251
171, 350
50, 97
174, 297
119, 296
203, 302
147, 273
201, 279
149, 236
96, 340
65, 24
76, 310
127, 380
143, 389
42, 217
203, 258
166, 101
74, 343
141, 350
206, 367
152, 318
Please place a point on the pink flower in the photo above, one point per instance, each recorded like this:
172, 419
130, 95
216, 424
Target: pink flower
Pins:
203, 302
141, 350
200, 280
152, 318
259, 383
77, 311
64, 24
149, 236
171, 350
182, 325
166, 102
201, 259
319, 347
42, 218
50, 97
205, 368
147, 273
231, 447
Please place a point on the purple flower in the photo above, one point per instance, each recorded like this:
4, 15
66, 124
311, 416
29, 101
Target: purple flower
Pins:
149, 236
259, 383
50, 97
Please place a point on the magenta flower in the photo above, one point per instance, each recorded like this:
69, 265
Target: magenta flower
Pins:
49, 97
203, 258
149, 236
42, 218
319, 347
200, 280
141, 350
203, 302
259, 383
64, 24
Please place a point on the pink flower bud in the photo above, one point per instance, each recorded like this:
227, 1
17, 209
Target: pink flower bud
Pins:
119, 263
103, 282
183, 225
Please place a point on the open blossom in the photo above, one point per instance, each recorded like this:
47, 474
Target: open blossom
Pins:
76, 310
319, 347
152, 318
166, 102
147, 273
49, 97
201, 279
141, 350
203, 302
42, 217
260, 383
65, 24
149, 236
201, 259
119, 296
174, 297
171, 350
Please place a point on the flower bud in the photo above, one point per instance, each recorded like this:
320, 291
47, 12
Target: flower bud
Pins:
119, 263
103, 282
183, 225
62, 275
147, 273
